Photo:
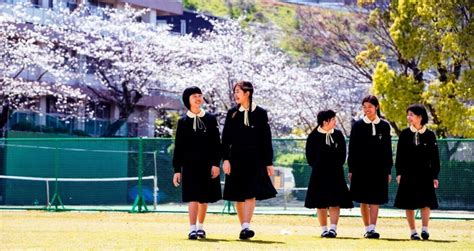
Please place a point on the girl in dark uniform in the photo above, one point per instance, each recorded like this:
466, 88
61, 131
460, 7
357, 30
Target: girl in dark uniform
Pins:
370, 163
417, 167
326, 154
196, 160
247, 155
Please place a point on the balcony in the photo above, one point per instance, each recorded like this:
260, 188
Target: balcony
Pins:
163, 7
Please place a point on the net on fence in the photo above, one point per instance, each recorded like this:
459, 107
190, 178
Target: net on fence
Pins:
108, 171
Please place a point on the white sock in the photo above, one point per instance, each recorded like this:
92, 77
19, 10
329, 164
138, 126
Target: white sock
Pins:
245, 225
371, 227
324, 228
192, 228
367, 228
333, 227
413, 231
200, 226
424, 229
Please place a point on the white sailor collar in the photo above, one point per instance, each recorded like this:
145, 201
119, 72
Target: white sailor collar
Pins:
193, 115
421, 131
368, 121
242, 109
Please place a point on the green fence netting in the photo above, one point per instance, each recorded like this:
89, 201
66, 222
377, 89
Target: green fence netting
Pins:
97, 172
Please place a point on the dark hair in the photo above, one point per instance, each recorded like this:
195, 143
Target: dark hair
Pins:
246, 87
187, 93
325, 115
374, 101
419, 110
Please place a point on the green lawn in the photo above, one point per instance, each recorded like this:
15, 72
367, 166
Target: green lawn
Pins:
114, 230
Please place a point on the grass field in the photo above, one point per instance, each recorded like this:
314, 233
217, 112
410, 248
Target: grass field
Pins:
115, 230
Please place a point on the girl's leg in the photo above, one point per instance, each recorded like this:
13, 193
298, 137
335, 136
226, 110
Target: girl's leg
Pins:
425, 217
239, 207
322, 218
249, 207
374, 214
202, 210
193, 212
334, 215
411, 218
364, 212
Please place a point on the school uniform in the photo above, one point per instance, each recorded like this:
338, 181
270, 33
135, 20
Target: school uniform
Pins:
417, 163
326, 154
370, 161
197, 149
247, 144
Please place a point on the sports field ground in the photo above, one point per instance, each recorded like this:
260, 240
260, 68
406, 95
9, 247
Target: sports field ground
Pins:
167, 231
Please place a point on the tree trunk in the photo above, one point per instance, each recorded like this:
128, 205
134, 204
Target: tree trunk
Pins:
113, 128
4, 116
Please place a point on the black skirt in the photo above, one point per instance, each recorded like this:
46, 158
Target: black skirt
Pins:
328, 188
416, 191
198, 185
248, 179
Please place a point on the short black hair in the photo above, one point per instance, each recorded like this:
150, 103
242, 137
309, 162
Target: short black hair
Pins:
419, 110
187, 93
325, 115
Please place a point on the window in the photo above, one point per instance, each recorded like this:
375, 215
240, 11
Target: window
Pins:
183, 27
101, 110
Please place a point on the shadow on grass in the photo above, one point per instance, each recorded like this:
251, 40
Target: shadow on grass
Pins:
262, 242
213, 240
232, 240
388, 239
437, 241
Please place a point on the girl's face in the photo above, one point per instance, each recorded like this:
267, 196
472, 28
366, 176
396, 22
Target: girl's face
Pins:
331, 124
196, 100
370, 110
413, 119
240, 96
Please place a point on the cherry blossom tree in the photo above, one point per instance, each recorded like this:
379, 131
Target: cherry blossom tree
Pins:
121, 60
29, 61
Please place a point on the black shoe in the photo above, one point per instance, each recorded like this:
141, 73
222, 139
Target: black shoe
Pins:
425, 235
325, 234
372, 235
201, 234
415, 237
332, 233
192, 235
246, 234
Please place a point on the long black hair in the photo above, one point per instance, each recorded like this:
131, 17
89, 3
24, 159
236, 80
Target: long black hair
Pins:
246, 86
374, 101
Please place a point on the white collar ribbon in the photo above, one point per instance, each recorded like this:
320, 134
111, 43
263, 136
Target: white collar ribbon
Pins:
329, 139
417, 132
197, 122
376, 121
246, 113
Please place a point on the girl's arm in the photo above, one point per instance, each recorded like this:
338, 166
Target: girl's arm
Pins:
267, 141
178, 148
226, 137
215, 142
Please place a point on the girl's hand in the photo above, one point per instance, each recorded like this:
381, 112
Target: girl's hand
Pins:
389, 178
436, 183
270, 170
226, 167
398, 179
349, 176
215, 172
177, 179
